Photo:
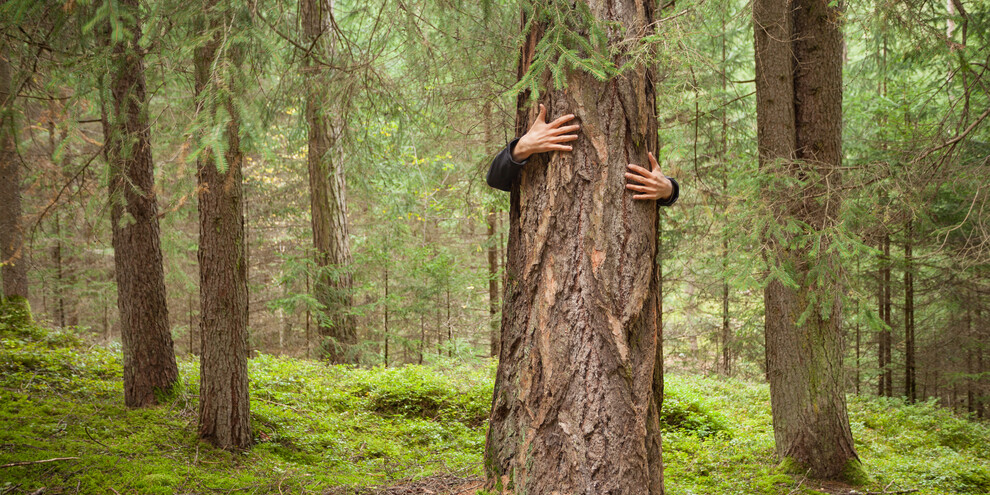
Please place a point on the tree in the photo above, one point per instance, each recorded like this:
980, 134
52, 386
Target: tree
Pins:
149, 358
224, 402
579, 381
328, 208
799, 120
12, 256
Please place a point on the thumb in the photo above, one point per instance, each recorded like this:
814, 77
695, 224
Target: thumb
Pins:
542, 116
653, 163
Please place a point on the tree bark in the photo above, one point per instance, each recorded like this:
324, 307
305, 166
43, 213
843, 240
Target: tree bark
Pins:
886, 387
910, 382
149, 356
12, 255
799, 111
579, 384
224, 401
328, 209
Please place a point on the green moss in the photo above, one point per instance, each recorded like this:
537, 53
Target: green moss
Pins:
790, 465
319, 429
855, 473
15, 316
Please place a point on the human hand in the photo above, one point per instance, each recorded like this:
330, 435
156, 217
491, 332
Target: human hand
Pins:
542, 137
652, 183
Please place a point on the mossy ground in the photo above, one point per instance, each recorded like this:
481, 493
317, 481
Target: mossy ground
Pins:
323, 429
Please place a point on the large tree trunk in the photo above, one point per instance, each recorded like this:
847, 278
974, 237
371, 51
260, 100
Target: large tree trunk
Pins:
799, 111
224, 403
579, 384
149, 358
12, 255
328, 209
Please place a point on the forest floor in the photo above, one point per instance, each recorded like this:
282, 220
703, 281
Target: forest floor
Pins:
411, 430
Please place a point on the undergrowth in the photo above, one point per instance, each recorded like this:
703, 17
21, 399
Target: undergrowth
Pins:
334, 429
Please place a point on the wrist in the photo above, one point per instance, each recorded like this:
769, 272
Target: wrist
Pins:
521, 151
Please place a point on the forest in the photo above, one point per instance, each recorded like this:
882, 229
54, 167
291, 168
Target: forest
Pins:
309, 246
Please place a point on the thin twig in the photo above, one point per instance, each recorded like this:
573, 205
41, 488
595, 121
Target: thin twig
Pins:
25, 463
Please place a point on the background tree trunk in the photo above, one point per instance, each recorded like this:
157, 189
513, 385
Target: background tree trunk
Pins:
579, 384
224, 403
149, 357
12, 255
799, 112
910, 382
328, 208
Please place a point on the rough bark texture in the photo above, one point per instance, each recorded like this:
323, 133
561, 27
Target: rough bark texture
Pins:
224, 403
579, 383
149, 358
328, 209
799, 112
12, 255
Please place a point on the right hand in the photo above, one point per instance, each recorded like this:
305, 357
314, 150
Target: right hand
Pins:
542, 137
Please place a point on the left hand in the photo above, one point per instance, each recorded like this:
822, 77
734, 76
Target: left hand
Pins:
652, 183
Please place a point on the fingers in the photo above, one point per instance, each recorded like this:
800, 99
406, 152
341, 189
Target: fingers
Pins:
566, 138
542, 116
559, 147
640, 170
643, 196
561, 120
565, 129
639, 188
647, 180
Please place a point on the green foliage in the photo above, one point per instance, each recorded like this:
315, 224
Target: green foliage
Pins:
687, 412
320, 428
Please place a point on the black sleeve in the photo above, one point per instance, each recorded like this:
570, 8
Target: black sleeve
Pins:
504, 169
673, 194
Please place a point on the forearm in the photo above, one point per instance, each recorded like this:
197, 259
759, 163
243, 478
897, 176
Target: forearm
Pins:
504, 169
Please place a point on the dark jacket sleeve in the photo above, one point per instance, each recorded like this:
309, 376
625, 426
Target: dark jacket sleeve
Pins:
504, 169
673, 194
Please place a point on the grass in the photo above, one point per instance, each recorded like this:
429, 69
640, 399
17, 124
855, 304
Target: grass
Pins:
335, 429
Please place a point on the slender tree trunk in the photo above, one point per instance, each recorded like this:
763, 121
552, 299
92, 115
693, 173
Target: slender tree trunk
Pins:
328, 208
59, 282
149, 355
910, 383
309, 346
726, 328
12, 255
493, 300
191, 323
386, 316
224, 401
799, 111
579, 384
886, 335
450, 326
970, 343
